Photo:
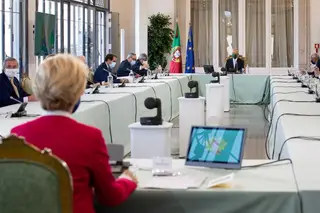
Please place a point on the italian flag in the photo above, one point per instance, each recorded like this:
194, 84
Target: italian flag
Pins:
176, 61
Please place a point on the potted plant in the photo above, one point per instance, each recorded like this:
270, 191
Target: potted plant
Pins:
159, 40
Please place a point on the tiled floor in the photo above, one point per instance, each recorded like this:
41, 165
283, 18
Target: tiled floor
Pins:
250, 117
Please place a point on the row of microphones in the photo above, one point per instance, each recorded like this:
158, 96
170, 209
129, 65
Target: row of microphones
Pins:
21, 110
152, 103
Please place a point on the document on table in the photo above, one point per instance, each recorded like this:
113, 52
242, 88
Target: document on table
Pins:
175, 182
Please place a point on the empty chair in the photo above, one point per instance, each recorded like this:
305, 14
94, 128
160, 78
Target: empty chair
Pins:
31, 180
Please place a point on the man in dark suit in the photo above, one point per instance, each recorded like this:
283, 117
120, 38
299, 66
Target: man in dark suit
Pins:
235, 62
141, 67
10, 87
126, 65
105, 69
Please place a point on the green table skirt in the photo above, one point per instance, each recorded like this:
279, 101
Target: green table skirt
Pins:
244, 89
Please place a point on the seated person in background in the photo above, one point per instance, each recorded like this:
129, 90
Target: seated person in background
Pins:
315, 65
126, 65
82, 147
105, 69
10, 87
235, 61
141, 66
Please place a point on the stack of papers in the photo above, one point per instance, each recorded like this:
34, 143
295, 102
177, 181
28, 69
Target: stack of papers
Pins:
175, 182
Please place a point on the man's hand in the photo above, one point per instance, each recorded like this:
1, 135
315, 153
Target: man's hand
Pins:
32, 98
124, 80
145, 66
104, 83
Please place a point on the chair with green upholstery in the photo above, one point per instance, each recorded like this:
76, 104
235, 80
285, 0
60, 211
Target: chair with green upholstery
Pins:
31, 180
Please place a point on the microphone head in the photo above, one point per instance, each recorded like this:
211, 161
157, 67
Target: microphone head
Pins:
151, 103
192, 84
223, 69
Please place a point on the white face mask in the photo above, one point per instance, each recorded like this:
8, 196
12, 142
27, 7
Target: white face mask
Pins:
113, 64
133, 62
10, 73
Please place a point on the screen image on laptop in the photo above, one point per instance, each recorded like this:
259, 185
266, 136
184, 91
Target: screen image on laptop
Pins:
216, 147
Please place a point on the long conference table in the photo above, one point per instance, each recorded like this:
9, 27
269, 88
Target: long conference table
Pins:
295, 134
277, 188
112, 110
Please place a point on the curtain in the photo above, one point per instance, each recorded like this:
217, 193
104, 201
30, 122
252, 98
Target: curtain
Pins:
228, 28
201, 20
256, 33
282, 33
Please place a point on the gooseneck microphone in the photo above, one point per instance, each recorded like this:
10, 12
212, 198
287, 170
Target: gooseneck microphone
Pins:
317, 94
95, 89
115, 76
152, 103
155, 77
22, 109
191, 85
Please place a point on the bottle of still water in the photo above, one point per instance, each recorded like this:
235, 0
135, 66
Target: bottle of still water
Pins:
131, 76
110, 81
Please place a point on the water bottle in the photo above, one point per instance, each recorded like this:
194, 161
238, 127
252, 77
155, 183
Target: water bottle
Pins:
131, 76
110, 80
247, 69
149, 74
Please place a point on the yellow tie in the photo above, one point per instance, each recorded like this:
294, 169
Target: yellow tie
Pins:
14, 87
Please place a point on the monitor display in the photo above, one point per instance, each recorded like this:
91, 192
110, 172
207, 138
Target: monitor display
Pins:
219, 147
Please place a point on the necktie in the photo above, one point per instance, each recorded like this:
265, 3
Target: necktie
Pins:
14, 87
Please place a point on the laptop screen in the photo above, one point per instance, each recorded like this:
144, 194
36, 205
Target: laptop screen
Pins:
219, 145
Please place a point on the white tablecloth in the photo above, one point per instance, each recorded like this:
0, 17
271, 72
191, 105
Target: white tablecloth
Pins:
263, 189
305, 123
114, 109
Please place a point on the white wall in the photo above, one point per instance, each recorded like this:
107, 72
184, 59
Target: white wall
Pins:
314, 24
144, 9
126, 8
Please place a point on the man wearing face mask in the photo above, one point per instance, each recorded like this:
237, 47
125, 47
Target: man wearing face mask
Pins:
105, 69
10, 87
126, 65
235, 62
141, 66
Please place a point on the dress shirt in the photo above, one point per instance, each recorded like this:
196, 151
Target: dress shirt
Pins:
235, 61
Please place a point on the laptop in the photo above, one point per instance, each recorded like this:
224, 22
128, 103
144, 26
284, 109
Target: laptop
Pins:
216, 147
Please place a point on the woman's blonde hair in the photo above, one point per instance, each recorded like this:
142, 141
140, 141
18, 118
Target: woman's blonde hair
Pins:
59, 82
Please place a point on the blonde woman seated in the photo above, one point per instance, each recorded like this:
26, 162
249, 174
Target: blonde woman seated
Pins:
82, 147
